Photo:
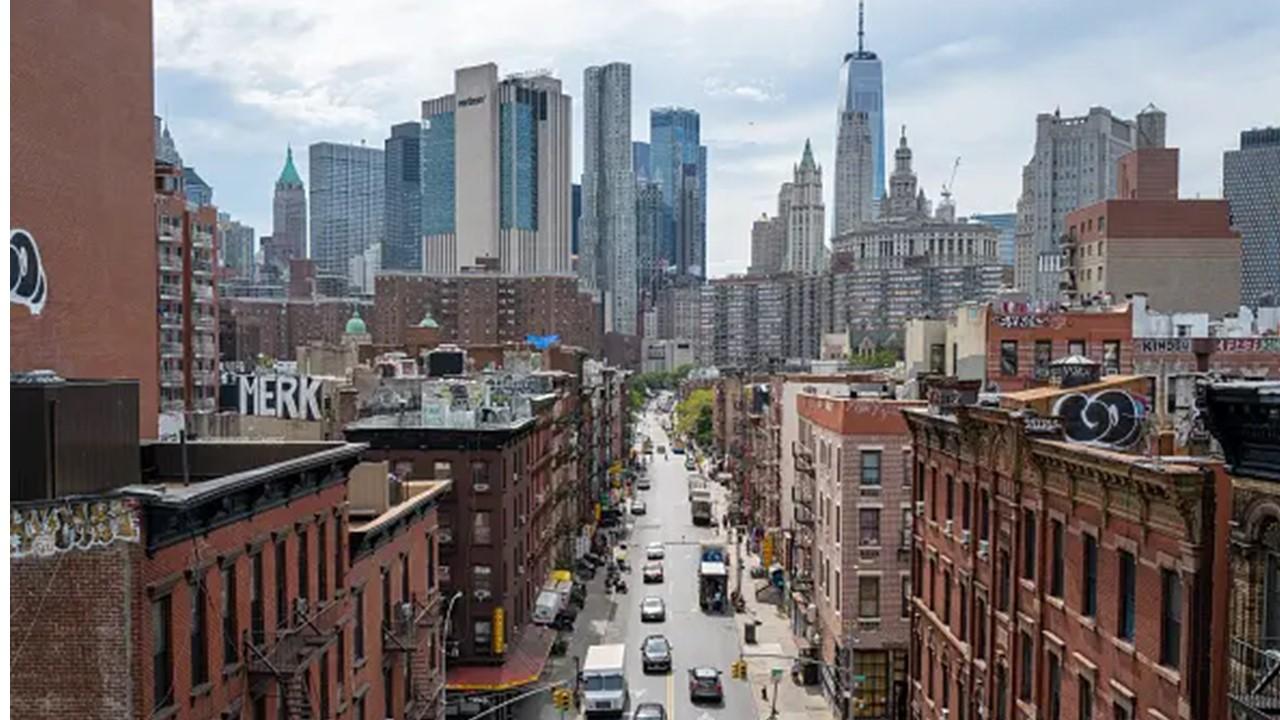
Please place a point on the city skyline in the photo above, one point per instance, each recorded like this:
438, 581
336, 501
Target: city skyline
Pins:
235, 111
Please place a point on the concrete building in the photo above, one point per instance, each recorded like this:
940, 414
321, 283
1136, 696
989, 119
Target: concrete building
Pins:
347, 205
236, 248
679, 311
855, 191
667, 355
607, 261
496, 174
1006, 225
288, 219
906, 199
363, 269
678, 164
402, 198
862, 90
806, 245
1059, 572
858, 451
650, 265
82, 219
768, 245
1074, 164
1251, 184
187, 315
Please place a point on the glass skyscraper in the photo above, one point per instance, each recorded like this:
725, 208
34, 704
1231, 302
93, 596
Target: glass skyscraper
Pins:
347, 209
402, 246
678, 164
862, 89
1251, 184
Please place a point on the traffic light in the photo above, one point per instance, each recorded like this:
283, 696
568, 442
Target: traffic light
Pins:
738, 670
562, 698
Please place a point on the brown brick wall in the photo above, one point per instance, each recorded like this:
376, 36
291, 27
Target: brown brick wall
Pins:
82, 165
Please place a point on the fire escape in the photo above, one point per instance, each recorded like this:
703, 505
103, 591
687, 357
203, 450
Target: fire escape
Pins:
411, 631
803, 493
289, 658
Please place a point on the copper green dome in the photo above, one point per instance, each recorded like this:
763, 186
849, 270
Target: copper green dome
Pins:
356, 326
428, 322
289, 175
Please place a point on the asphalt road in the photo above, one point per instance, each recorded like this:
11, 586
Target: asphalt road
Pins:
697, 638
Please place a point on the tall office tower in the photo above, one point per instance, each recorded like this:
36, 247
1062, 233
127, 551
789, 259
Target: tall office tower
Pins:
855, 196
236, 251
576, 218
496, 174
1074, 165
806, 218
648, 237
640, 161
768, 245
608, 258
678, 163
906, 198
198, 192
347, 184
862, 90
402, 198
288, 219
1006, 224
1251, 183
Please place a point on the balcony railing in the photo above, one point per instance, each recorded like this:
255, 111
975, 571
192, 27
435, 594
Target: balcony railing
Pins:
173, 263
1255, 678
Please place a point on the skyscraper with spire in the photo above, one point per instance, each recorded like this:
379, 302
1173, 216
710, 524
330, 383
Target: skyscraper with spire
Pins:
288, 217
861, 90
805, 217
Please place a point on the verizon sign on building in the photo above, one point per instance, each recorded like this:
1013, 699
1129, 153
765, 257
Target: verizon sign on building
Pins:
293, 397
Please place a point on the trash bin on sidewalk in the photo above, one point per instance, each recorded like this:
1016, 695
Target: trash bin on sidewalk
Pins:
749, 631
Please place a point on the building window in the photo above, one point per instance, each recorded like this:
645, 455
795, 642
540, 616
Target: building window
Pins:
481, 528
868, 527
480, 476
230, 626
946, 597
482, 636
951, 497
937, 358
1127, 596
1058, 570
1111, 357
482, 582
199, 633
257, 620
1089, 584
1026, 676
1171, 614
964, 610
1028, 544
338, 533
966, 508
303, 560
1003, 604
980, 628
282, 586
838, 523
359, 625
322, 554
1084, 703
405, 587
1055, 687
359, 714
946, 687
984, 523
906, 596
1043, 358
1120, 712
1002, 692
933, 584
388, 699
1009, 357
1076, 347
868, 596
837, 588
871, 468
324, 685
933, 494
162, 652
431, 563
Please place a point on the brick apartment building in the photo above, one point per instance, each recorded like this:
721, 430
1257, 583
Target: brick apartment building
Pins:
1021, 342
1056, 575
218, 579
276, 327
861, 501
83, 219
486, 309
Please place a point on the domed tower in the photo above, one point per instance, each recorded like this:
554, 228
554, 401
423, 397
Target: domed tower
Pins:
356, 332
903, 184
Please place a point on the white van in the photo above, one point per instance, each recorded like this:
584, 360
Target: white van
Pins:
553, 599
604, 680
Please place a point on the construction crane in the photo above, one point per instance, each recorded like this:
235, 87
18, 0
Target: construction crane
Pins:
950, 184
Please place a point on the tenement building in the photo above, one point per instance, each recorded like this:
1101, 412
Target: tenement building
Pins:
1057, 571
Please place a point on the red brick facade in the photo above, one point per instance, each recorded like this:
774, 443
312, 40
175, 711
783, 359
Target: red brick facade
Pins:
1037, 338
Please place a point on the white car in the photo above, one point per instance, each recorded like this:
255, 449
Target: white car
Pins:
638, 507
654, 551
653, 610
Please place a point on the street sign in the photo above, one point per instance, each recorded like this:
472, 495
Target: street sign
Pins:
776, 674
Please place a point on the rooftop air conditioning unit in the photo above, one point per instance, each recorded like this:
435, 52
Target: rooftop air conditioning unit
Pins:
919, 508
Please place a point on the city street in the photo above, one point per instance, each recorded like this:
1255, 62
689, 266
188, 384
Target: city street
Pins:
697, 638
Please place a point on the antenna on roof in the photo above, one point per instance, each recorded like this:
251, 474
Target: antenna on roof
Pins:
859, 27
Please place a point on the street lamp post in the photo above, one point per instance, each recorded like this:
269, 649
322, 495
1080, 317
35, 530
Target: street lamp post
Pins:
444, 666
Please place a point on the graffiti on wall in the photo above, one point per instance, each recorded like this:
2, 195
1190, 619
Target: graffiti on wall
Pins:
1110, 417
52, 529
27, 283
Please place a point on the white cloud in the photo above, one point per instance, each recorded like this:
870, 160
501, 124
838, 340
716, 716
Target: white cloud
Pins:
762, 92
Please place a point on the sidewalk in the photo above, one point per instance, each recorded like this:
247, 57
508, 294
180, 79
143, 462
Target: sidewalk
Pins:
773, 637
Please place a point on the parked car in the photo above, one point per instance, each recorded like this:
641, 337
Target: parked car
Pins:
653, 609
650, 711
689, 464
643, 483
638, 507
653, 572
704, 684
654, 551
655, 653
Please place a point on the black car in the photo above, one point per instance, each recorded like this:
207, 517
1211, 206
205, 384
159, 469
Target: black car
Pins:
655, 653
650, 711
704, 684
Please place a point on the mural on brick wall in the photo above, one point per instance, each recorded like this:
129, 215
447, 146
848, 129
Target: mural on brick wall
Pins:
52, 529
1110, 417
27, 283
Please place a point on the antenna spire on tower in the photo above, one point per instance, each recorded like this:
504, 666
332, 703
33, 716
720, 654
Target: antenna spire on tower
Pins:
859, 27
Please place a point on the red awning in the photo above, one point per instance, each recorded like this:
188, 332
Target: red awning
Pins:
523, 665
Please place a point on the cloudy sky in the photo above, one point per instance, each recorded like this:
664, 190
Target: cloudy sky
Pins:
239, 79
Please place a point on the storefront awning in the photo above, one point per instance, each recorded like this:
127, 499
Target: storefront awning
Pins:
524, 663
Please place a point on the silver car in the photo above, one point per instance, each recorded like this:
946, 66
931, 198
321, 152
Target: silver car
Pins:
653, 609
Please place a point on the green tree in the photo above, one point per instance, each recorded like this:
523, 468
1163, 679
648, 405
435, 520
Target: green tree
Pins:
694, 416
